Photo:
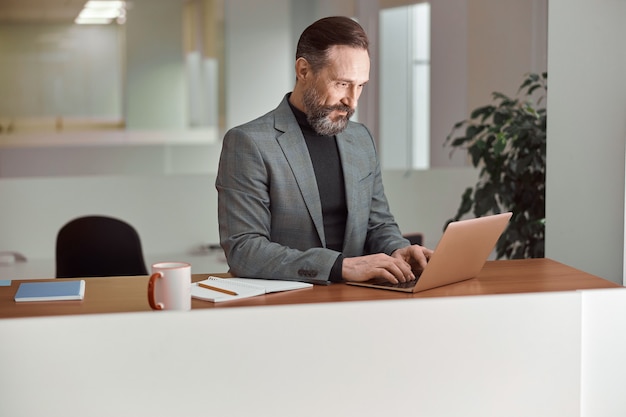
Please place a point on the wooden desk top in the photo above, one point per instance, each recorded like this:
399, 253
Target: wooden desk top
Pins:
129, 294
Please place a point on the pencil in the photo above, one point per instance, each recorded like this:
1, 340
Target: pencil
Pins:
209, 287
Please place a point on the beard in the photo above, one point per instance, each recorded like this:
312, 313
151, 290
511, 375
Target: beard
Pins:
318, 115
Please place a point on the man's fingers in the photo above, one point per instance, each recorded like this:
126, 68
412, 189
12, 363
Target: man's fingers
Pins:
393, 269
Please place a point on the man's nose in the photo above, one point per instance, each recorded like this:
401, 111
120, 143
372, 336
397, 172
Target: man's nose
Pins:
351, 98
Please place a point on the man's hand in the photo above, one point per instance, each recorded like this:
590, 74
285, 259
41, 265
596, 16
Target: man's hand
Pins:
416, 256
393, 268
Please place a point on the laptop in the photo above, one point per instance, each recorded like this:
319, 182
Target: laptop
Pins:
460, 255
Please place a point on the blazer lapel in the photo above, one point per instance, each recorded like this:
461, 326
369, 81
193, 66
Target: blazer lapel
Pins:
352, 173
294, 147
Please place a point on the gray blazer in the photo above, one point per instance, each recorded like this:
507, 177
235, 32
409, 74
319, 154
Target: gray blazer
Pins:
269, 209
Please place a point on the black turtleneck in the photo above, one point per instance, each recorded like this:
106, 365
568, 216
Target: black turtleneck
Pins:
326, 162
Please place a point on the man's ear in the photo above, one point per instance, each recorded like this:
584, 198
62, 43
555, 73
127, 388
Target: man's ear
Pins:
303, 69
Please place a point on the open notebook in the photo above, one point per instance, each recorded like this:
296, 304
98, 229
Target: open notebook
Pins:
225, 289
460, 255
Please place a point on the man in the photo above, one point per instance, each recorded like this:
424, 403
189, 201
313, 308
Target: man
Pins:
300, 193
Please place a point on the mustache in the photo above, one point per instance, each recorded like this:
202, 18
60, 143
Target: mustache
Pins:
340, 107
326, 110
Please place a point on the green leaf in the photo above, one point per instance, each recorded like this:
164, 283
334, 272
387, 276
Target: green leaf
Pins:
501, 117
476, 154
533, 88
499, 96
471, 131
482, 112
500, 144
458, 124
459, 141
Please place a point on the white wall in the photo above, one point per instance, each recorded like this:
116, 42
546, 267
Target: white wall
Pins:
586, 135
491, 356
603, 347
501, 47
172, 213
155, 68
259, 72
448, 77
423, 201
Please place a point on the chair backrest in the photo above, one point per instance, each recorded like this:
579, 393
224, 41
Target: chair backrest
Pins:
415, 238
97, 246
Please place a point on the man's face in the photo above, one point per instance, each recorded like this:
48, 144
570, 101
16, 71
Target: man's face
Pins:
331, 97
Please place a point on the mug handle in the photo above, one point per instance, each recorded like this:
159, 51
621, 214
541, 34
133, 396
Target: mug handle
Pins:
151, 285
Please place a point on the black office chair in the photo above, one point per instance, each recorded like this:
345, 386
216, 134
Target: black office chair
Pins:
414, 238
98, 246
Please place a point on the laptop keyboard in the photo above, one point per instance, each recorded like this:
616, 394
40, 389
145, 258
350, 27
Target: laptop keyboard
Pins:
381, 282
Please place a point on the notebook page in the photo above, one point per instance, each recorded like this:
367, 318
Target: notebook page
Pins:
242, 289
273, 285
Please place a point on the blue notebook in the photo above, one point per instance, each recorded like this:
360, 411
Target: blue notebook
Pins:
50, 291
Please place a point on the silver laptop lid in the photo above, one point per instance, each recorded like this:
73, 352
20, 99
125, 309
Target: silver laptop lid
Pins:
460, 254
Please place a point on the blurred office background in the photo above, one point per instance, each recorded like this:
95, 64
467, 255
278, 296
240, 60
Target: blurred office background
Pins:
126, 118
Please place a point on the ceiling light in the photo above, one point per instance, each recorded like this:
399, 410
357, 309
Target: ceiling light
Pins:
102, 12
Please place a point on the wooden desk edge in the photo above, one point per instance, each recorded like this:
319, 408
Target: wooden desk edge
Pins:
128, 294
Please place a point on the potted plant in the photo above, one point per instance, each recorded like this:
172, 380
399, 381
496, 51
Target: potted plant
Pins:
507, 140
